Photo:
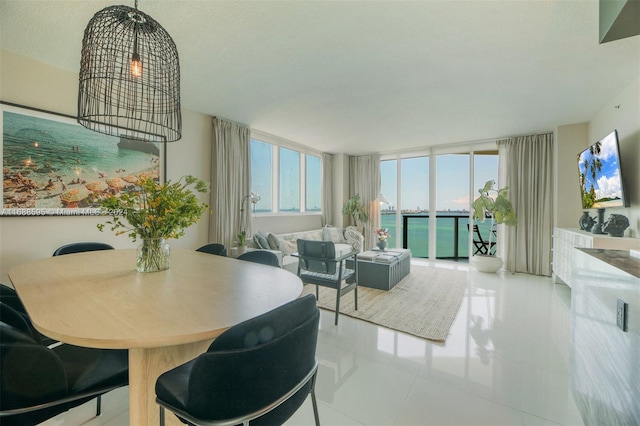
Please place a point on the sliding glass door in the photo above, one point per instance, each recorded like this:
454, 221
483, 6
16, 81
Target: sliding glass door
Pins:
409, 188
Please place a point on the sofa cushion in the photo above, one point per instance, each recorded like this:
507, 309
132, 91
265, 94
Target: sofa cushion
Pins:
288, 247
342, 249
260, 240
330, 233
273, 242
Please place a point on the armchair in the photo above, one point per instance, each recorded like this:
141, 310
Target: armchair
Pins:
318, 264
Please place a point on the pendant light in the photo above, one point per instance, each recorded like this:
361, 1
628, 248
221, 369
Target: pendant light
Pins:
129, 77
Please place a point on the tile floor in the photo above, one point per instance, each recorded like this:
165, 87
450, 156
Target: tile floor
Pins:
505, 362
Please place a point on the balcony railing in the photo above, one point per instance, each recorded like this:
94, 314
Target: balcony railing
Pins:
452, 238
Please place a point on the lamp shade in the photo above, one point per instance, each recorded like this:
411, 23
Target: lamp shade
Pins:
129, 77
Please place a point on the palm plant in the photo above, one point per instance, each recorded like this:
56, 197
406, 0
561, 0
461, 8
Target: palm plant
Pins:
355, 210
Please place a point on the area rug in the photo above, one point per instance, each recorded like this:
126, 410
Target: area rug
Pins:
424, 304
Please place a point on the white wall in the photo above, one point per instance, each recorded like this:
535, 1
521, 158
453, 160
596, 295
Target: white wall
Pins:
623, 113
569, 141
27, 82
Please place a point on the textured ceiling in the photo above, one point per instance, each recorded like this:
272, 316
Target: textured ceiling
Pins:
360, 76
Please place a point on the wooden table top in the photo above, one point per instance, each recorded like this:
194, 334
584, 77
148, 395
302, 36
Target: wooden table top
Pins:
97, 299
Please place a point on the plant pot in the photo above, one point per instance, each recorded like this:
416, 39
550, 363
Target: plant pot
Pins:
484, 263
241, 250
153, 255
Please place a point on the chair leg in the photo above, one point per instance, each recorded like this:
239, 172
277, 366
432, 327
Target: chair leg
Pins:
355, 295
161, 415
337, 305
98, 405
314, 402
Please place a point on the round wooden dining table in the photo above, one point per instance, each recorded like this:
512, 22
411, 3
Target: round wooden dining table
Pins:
98, 300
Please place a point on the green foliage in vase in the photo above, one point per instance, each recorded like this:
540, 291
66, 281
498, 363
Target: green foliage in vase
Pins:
154, 210
495, 206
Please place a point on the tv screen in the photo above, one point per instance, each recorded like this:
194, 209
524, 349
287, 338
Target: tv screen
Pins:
600, 174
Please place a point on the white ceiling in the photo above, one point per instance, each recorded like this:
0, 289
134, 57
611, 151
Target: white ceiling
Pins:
366, 76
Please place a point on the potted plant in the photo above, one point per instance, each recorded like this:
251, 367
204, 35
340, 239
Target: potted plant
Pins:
356, 211
493, 204
242, 241
154, 212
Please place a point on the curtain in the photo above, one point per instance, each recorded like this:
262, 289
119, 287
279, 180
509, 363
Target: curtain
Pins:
327, 189
230, 181
364, 179
528, 171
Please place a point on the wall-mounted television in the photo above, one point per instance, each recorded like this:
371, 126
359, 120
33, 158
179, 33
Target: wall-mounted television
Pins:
600, 175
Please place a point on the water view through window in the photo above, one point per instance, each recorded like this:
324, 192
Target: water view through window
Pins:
409, 188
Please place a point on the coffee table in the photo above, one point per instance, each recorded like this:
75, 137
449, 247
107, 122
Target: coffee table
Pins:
383, 269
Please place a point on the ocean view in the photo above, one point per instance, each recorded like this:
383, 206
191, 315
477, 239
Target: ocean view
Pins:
418, 233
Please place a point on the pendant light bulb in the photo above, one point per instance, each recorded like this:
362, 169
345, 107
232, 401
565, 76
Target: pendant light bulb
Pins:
136, 65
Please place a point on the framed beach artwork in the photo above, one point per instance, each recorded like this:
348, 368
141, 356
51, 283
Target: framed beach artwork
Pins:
53, 166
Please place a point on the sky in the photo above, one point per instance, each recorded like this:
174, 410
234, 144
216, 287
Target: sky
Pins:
452, 180
608, 182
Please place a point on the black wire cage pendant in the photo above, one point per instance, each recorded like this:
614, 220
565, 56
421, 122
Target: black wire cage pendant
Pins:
129, 77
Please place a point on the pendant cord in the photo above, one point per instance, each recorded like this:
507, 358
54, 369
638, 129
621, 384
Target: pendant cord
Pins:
136, 4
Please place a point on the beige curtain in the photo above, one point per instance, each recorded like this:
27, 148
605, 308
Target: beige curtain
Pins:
364, 179
528, 167
327, 189
230, 180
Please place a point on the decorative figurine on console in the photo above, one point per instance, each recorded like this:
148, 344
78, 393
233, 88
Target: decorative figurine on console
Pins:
586, 222
616, 225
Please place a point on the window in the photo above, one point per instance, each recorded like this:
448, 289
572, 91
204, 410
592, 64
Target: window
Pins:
287, 180
430, 214
261, 171
313, 183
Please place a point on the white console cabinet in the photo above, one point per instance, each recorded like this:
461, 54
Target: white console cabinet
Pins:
565, 239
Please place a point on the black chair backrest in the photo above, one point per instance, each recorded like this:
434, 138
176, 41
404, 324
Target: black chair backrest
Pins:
257, 361
261, 256
214, 248
81, 247
9, 297
476, 234
19, 321
317, 256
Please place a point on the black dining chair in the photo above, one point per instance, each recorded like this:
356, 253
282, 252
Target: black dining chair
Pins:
81, 247
481, 246
9, 297
318, 264
214, 248
40, 382
261, 256
257, 372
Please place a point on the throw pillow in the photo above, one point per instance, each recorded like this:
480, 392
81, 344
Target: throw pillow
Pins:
260, 239
353, 237
333, 234
288, 247
273, 242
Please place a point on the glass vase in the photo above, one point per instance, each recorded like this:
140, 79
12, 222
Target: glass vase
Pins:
382, 245
153, 255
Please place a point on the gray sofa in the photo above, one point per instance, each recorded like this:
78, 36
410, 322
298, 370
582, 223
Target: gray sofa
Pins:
345, 239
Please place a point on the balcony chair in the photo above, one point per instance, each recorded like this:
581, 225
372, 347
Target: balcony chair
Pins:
261, 256
214, 248
81, 247
318, 264
258, 371
40, 382
480, 245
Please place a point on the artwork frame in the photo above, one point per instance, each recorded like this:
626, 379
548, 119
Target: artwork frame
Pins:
53, 166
